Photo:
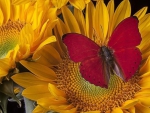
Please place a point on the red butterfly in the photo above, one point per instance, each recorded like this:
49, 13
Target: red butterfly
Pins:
120, 56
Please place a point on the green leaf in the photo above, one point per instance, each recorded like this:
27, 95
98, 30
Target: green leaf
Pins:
3, 102
8, 89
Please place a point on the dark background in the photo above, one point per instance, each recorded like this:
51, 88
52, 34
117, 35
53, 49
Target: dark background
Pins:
135, 5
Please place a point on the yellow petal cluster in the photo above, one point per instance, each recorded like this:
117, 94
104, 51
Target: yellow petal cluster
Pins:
54, 81
24, 29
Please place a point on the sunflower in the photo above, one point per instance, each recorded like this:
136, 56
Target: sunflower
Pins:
23, 32
24, 29
55, 82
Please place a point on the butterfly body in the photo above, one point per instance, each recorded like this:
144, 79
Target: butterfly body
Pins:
107, 61
120, 57
107, 55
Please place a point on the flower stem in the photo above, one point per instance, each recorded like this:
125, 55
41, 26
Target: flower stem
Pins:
29, 105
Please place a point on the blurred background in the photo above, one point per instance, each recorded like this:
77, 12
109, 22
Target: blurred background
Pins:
135, 4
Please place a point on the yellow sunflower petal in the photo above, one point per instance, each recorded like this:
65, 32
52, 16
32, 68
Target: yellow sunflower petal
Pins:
13, 53
146, 78
87, 1
27, 35
57, 104
146, 55
23, 53
15, 12
132, 110
49, 19
145, 67
2, 74
47, 41
80, 19
59, 3
91, 112
144, 46
79, 4
108, 111
51, 101
145, 101
73, 110
126, 111
129, 103
70, 20
35, 17
47, 56
141, 109
59, 45
123, 11
145, 85
144, 92
27, 79
31, 16
110, 8
4, 67
64, 109
2, 17
60, 25
117, 110
141, 12
19, 2
144, 21
90, 12
101, 20
36, 92
42, 30
41, 71
39, 109
55, 91
5, 7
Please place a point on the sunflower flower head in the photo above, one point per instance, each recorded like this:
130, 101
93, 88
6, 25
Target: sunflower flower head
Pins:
24, 29
64, 89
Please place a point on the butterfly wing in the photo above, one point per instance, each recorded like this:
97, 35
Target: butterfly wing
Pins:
129, 60
80, 47
123, 42
126, 35
95, 71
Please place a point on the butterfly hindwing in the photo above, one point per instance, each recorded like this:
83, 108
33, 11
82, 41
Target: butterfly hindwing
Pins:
80, 47
129, 60
93, 70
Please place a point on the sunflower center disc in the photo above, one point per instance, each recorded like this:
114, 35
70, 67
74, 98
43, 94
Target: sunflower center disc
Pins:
9, 36
88, 97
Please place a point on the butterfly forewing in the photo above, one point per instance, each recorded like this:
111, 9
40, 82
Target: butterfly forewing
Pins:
80, 47
126, 35
123, 43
